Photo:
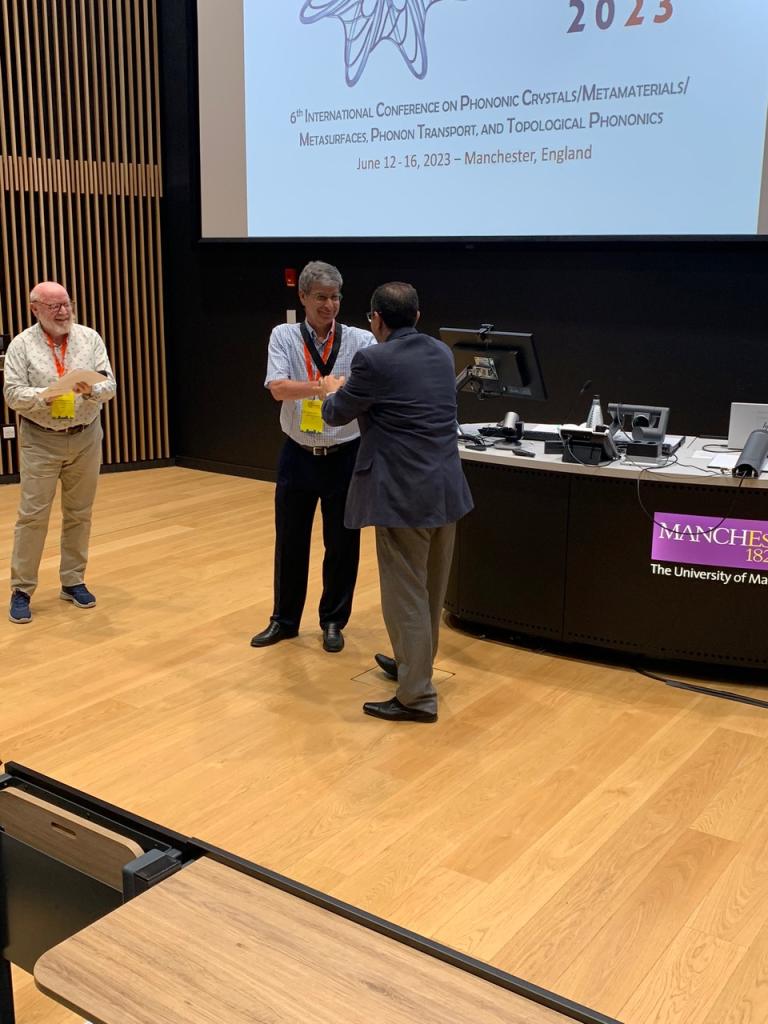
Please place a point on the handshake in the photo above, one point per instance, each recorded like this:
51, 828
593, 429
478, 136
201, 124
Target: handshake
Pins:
328, 385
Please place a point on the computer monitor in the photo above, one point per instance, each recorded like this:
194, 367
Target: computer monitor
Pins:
498, 364
745, 417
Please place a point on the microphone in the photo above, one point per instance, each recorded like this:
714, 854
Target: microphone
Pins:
584, 387
752, 459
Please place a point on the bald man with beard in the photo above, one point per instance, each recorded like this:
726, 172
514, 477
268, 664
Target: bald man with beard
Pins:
59, 439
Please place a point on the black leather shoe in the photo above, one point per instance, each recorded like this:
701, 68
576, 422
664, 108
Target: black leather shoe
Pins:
333, 638
387, 665
273, 634
394, 711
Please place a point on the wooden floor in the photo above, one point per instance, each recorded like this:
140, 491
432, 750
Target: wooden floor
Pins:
576, 824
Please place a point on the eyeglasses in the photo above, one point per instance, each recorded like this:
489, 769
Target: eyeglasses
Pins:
54, 307
320, 297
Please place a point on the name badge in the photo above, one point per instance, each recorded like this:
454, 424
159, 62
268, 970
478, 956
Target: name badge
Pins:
63, 407
311, 420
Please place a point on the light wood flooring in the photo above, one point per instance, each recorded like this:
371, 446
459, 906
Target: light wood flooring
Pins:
576, 824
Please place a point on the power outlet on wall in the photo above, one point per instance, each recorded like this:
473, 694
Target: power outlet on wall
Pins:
9, 432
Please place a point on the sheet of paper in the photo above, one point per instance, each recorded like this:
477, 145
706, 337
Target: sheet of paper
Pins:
72, 377
726, 460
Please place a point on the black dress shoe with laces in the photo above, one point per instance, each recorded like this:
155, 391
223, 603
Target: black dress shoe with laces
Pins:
333, 638
273, 634
387, 665
394, 711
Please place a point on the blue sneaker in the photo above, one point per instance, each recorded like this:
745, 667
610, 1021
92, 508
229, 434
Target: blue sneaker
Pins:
79, 595
19, 610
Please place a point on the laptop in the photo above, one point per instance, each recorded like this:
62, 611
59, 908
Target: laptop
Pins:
745, 417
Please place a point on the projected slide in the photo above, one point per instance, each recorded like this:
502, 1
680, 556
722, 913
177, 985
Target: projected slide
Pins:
474, 118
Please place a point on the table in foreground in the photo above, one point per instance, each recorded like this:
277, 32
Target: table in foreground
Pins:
213, 944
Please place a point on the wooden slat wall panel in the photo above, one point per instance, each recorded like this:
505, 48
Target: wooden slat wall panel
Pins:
80, 194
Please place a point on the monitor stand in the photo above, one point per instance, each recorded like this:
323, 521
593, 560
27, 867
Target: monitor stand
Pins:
507, 444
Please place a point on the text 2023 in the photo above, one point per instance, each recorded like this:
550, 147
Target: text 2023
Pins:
605, 12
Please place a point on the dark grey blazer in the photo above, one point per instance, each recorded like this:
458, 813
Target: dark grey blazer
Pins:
408, 471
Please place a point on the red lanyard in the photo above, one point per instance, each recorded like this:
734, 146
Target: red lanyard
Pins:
326, 353
59, 363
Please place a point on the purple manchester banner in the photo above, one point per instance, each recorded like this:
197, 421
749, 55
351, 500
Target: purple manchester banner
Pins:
709, 540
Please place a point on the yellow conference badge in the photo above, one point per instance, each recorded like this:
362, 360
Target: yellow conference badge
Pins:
63, 407
311, 420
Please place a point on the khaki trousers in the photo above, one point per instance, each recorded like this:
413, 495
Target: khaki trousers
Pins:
45, 458
414, 565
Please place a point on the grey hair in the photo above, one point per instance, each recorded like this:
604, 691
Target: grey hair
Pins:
319, 273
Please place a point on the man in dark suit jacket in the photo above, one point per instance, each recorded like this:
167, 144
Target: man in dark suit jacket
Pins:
407, 482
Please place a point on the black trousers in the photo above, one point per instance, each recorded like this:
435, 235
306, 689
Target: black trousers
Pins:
302, 479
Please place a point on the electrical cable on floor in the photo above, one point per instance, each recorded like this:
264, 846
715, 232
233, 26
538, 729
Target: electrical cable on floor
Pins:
678, 684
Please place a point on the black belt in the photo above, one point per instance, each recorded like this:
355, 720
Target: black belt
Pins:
323, 449
53, 430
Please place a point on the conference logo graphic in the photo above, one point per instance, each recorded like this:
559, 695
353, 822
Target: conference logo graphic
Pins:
368, 23
708, 540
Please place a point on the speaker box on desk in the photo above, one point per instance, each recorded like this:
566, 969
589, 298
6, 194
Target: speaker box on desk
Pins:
643, 450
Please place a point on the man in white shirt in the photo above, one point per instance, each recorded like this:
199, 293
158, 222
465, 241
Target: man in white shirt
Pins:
59, 439
316, 462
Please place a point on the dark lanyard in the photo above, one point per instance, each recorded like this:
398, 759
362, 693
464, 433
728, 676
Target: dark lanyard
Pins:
324, 366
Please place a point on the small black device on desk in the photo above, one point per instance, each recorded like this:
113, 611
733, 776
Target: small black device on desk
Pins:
473, 440
588, 447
